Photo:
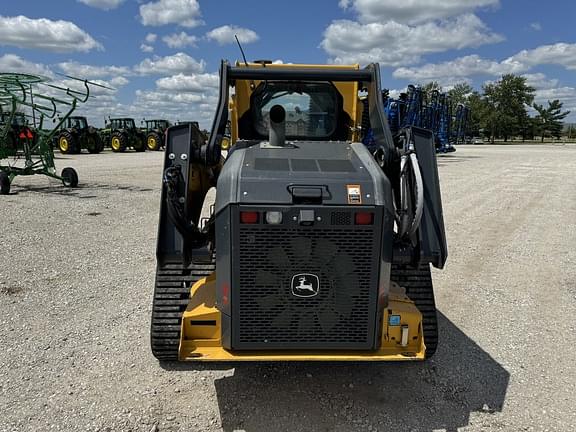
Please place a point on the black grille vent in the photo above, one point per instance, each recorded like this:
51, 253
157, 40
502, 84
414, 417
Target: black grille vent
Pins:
341, 218
341, 315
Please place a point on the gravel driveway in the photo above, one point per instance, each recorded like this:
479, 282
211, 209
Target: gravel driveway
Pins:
76, 280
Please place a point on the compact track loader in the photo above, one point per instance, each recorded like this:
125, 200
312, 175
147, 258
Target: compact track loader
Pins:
316, 247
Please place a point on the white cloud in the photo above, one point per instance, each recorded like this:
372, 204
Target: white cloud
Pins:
45, 34
540, 81
195, 83
536, 26
180, 40
565, 94
185, 13
174, 64
562, 54
103, 4
14, 63
182, 97
225, 35
146, 46
457, 69
119, 81
92, 71
412, 11
183, 106
162, 98
394, 44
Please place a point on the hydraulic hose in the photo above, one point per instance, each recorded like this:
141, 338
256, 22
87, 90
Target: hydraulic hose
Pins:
419, 194
408, 222
189, 231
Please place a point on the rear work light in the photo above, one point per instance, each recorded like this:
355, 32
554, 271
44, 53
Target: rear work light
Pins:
273, 217
249, 217
364, 218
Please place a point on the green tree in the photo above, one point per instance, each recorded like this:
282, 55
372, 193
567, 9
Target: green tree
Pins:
507, 101
570, 131
429, 88
460, 93
531, 129
478, 113
549, 120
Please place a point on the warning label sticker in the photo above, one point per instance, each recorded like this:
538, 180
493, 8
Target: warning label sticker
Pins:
354, 194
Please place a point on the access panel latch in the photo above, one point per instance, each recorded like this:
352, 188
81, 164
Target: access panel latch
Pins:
308, 194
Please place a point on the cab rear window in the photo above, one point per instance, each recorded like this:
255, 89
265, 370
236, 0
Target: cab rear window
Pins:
311, 108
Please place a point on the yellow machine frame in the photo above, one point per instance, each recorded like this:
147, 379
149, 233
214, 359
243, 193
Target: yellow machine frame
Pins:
201, 328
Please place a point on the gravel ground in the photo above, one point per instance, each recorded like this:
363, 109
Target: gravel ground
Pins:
75, 293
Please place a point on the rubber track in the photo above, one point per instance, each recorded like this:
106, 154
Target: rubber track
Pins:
418, 284
171, 296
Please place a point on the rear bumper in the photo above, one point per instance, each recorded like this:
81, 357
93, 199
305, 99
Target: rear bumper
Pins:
192, 352
200, 340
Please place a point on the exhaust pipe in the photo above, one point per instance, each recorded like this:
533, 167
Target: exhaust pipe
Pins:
277, 128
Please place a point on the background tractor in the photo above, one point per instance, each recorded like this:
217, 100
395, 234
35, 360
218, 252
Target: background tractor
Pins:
155, 133
76, 135
122, 133
17, 129
317, 247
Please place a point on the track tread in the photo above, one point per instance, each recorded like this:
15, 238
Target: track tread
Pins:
419, 288
171, 296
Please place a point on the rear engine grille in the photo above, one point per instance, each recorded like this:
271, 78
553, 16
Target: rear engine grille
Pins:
341, 315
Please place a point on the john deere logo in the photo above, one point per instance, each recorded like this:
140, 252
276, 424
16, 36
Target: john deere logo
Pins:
305, 285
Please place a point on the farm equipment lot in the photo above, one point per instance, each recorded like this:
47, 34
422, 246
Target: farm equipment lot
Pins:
76, 287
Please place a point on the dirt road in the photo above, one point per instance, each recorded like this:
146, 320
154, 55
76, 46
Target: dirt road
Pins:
76, 279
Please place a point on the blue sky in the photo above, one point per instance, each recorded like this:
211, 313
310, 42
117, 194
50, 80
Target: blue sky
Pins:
162, 56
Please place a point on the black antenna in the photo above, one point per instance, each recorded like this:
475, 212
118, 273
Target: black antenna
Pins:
241, 50
252, 86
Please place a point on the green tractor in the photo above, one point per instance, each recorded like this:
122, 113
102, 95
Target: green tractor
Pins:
17, 129
122, 133
76, 135
155, 133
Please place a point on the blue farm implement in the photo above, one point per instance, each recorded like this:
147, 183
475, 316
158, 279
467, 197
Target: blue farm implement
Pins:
434, 111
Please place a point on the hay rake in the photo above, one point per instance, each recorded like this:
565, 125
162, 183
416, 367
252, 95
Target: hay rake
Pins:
42, 100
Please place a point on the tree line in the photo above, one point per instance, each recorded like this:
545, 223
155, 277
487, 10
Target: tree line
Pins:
500, 111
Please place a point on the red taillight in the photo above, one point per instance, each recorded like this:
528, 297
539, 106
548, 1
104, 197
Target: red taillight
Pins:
364, 218
26, 133
249, 217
